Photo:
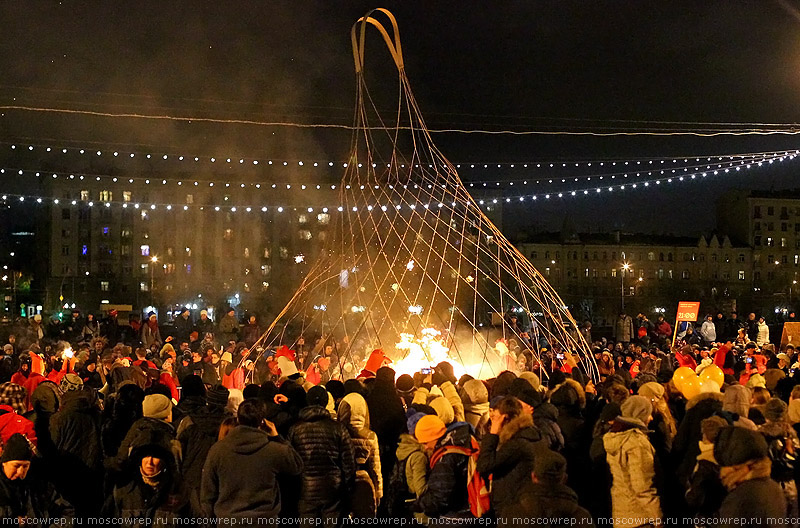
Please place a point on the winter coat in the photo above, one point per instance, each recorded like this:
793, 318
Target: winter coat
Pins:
328, 460
150, 336
228, 329
75, 433
545, 418
685, 444
197, 433
354, 415
623, 329
387, 418
412, 454
762, 337
509, 458
760, 498
708, 331
240, 475
423, 396
446, 493
477, 415
706, 492
204, 327
630, 458
251, 333
11, 423
183, 327
549, 501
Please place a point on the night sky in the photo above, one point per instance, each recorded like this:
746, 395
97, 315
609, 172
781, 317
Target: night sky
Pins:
525, 65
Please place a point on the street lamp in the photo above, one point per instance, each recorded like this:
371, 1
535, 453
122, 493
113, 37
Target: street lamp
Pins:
625, 267
153, 261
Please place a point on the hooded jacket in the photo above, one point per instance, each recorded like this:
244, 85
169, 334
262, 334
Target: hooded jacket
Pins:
329, 464
630, 457
411, 453
509, 458
353, 413
240, 475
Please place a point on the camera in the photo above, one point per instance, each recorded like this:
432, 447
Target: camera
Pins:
748, 360
426, 370
560, 356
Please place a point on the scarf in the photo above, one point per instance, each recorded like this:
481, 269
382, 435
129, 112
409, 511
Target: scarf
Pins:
152, 481
733, 476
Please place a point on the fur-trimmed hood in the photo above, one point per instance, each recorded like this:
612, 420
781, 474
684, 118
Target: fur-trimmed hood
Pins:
575, 385
704, 396
522, 424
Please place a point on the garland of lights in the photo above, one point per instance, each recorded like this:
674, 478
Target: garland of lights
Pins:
751, 158
317, 163
668, 178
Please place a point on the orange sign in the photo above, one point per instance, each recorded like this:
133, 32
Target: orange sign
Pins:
688, 311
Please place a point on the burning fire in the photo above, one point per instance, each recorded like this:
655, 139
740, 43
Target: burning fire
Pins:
429, 350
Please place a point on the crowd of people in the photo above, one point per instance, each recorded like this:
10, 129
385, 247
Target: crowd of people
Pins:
202, 425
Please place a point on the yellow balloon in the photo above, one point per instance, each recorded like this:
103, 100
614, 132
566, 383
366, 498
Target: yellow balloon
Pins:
691, 387
713, 373
681, 375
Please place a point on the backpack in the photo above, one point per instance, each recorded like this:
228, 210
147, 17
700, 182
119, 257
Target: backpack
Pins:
783, 462
397, 494
477, 486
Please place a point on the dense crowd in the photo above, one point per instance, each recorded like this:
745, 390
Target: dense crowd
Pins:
103, 420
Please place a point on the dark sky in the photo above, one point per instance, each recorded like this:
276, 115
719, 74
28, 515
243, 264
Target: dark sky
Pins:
554, 64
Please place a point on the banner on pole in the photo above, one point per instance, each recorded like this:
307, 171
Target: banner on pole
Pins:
687, 311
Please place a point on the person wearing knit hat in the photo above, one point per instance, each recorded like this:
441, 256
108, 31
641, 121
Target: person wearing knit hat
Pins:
531, 378
775, 410
429, 430
157, 406
14, 396
70, 382
405, 388
217, 396
745, 468
550, 468
443, 408
414, 417
631, 459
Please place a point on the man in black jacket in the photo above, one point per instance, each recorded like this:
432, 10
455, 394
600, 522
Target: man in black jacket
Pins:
329, 463
240, 475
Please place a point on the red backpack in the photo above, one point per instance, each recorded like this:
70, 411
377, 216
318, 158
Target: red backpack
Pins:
477, 487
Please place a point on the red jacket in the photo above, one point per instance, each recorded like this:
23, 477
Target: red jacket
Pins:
11, 423
719, 359
166, 379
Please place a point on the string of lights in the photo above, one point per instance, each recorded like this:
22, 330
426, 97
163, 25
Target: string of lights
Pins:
668, 178
164, 155
649, 170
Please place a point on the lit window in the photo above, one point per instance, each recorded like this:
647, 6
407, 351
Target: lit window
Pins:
284, 252
264, 286
84, 250
246, 252
613, 272
651, 256
783, 242
145, 267
145, 250
105, 196
685, 274
302, 219
741, 274
266, 253
143, 286
106, 230
125, 233
547, 272
228, 234
170, 252
265, 269
125, 249
189, 198
85, 196
304, 234
246, 287
188, 251
126, 196
324, 218
103, 285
